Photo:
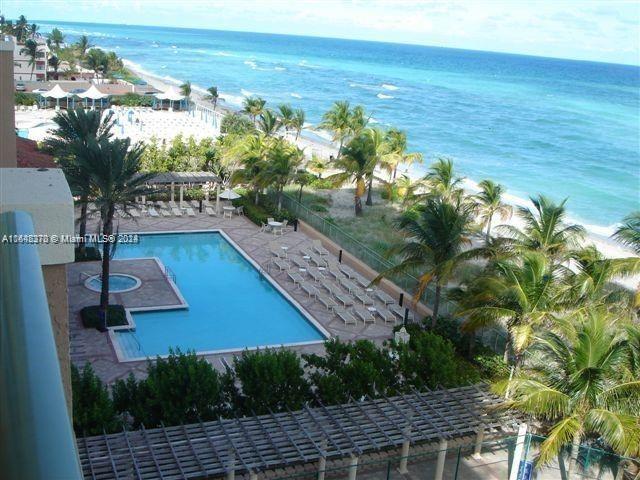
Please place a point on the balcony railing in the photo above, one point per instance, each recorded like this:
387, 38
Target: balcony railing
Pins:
36, 437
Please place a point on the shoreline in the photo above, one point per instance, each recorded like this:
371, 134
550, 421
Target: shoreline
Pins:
606, 245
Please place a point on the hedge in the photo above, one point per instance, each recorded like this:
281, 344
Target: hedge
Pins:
25, 98
91, 319
132, 100
91, 254
258, 214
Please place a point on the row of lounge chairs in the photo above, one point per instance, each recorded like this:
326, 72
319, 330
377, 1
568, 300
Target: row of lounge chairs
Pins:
165, 209
335, 285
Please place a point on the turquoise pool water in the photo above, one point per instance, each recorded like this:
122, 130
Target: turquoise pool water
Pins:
231, 305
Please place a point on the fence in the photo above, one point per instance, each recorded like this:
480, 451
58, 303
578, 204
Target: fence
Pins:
491, 337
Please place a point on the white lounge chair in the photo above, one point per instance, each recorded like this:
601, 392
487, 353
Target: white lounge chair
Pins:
152, 212
364, 298
295, 277
210, 211
345, 316
190, 212
348, 271
343, 298
327, 301
281, 264
176, 212
134, 212
165, 213
310, 289
400, 311
386, 315
317, 246
384, 298
365, 315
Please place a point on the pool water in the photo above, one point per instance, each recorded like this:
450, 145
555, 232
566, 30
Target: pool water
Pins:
117, 283
231, 305
23, 132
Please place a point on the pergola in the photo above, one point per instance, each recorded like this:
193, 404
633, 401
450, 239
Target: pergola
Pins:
57, 92
182, 179
256, 444
92, 94
172, 95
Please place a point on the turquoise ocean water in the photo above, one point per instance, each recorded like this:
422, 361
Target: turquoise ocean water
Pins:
538, 125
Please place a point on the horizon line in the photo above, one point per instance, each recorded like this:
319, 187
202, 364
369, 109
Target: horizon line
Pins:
636, 65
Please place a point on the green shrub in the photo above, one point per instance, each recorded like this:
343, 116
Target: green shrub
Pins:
236, 123
351, 370
132, 100
316, 207
91, 254
491, 366
271, 380
258, 214
91, 316
93, 411
181, 388
322, 184
25, 98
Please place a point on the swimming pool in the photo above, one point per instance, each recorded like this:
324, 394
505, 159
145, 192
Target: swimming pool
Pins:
232, 305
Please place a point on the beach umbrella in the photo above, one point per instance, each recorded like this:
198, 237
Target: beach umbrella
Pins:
229, 194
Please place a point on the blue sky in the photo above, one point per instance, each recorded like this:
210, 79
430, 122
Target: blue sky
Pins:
601, 30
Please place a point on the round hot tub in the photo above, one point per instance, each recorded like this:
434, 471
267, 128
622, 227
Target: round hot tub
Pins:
118, 283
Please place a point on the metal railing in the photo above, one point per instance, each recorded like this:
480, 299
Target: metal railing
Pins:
36, 436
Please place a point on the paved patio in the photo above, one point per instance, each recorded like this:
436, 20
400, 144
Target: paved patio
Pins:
89, 345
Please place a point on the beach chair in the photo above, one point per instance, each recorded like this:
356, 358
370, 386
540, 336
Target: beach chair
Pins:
399, 312
315, 274
210, 211
384, 297
365, 315
152, 212
363, 282
283, 228
281, 264
165, 213
318, 260
317, 246
334, 271
347, 270
328, 302
386, 315
346, 283
190, 212
295, 277
176, 211
343, 298
278, 252
363, 297
311, 290
134, 212
345, 316
298, 262
240, 210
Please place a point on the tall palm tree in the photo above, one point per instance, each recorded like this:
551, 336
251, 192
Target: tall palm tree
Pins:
33, 31
381, 152
286, 116
252, 150
113, 167
269, 123
354, 166
54, 63
82, 46
490, 204
407, 188
443, 180
437, 235
338, 121
31, 50
297, 122
56, 38
213, 96
629, 232
283, 161
518, 293
253, 106
397, 140
95, 61
21, 29
544, 229
185, 89
75, 129
317, 165
579, 380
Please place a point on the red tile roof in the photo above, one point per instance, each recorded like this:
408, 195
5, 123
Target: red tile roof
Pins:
29, 156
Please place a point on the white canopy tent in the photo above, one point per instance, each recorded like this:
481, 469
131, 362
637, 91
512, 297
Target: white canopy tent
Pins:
172, 95
93, 94
57, 92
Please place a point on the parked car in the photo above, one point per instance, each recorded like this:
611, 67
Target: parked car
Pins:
20, 87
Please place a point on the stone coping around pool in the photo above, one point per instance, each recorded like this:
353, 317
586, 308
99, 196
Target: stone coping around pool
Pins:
254, 264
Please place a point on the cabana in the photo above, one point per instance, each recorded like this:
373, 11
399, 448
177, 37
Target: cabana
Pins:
187, 179
56, 92
172, 95
93, 94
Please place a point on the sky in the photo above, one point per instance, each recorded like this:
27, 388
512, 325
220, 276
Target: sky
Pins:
598, 30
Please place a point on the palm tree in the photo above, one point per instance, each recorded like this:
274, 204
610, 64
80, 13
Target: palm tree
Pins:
443, 180
520, 294
33, 31
55, 64
283, 161
76, 129
337, 120
490, 204
31, 50
268, 123
397, 140
358, 120
252, 150
113, 167
354, 165
579, 379
21, 29
56, 38
629, 232
407, 188
185, 89
302, 178
297, 122
437, 235
381, 151
544, 229
83, 45
317, 165
253, 106
213, 96
286, 116
96, 61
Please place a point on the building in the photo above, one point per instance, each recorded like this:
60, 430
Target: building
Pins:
23, 70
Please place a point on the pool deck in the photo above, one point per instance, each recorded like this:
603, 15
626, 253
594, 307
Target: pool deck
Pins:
89, 345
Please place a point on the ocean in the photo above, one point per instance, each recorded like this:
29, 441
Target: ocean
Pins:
563, 128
